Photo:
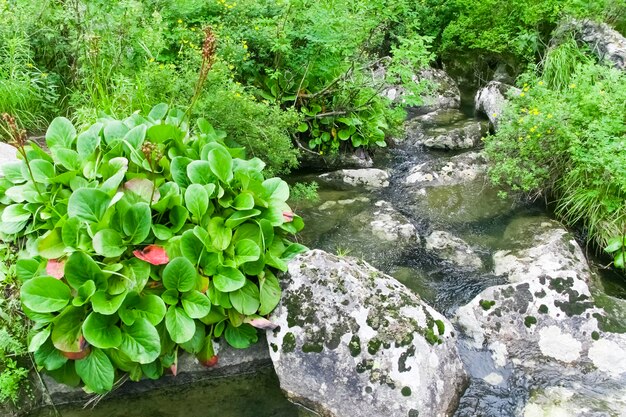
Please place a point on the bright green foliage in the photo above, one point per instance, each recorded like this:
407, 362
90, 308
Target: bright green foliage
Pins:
157, 239
569, 144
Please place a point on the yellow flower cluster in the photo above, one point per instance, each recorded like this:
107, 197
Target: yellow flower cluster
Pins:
226, 4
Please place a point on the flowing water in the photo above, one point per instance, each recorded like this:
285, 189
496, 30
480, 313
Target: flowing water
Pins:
338, 223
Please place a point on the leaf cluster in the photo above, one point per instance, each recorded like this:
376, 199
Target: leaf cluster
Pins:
143, 238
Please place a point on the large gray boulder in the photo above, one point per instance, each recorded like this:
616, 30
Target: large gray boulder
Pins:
465, 135
604, 41
540, 333
445, 93
491, 100
371, 178
354, 342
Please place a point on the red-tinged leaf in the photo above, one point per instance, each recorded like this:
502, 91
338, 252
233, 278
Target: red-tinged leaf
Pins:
143, 188
55, 268
153, 254
288, 216
209, 363
174, 369
261, 323
84, 351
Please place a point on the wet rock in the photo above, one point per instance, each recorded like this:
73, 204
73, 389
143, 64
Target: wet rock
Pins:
369, 178
338, 204
316, 162
455, 170
355, 342
453, 249
231, 362
607, 43
445, 94
491, 100
391, 226
541, 330
466, 136
441, 117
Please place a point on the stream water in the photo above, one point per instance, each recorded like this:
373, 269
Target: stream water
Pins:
471, 211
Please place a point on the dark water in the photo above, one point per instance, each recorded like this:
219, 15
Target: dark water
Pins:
255, 395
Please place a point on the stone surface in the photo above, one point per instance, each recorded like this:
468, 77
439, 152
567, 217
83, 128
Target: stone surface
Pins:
355, 342
231, 362
369, 178
604, 41
456, 170
358, 159
8, 154
540, 332
467, 135
491, 100
441, 117
453, 249
391, 226
445, 93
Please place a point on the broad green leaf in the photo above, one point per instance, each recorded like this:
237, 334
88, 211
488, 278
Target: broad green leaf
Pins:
67, 333
49, 357
51, 245
38, 339
114, 172
158, 112
61, 132
241, 337
105, 303
196, 304
239, 217
84, 293
276, 189
221, 235
68, 158
80, 268
15, 213
88, 204
149, 306
178, 168
141, 342
136, 223
13, 172
137, 273
269, 293
228, 279
88, 141
246, 251
102, 331
162, 232
180, 274
66, 375
42, 171
45, 294
191, 247
170, 297
136, 136
196, 200
142, 189
96, 371
292, 251
180, 326
199, 172
108, 243
614, 244
196, 343
244, 201
26, 269
246, 299
178, 217
114, 132
221, 164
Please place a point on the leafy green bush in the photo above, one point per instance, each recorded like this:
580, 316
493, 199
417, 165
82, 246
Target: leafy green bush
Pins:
142, 238
570, 144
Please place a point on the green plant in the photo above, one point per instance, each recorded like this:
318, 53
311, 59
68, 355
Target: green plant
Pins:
142, 238
568, 144
616, 247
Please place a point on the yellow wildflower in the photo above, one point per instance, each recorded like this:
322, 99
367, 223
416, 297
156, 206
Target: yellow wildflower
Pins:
495, 115
180, 21
151, 59
540, 83
572, 86
532, 129
522, 94
550, 116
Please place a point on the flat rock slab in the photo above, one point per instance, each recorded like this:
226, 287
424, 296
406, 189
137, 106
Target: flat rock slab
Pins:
441, 172
540, 333
231, 362
354, 342
370, 178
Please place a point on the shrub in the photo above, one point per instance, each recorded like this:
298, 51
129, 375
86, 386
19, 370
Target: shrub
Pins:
569, 144
141, 238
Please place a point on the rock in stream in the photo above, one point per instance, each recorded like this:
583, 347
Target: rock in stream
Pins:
354, 342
